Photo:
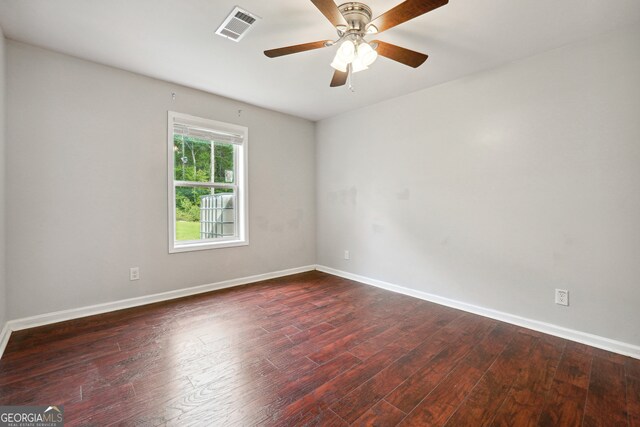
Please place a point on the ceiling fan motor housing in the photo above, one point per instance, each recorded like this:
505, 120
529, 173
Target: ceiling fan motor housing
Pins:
357, 15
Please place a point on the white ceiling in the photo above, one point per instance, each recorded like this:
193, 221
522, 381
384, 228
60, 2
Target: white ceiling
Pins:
174, 40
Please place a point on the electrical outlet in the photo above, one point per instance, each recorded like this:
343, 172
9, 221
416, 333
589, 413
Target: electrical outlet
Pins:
347, 256
562, 297
134, 273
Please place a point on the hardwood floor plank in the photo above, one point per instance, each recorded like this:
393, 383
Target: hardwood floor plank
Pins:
632, 367
525, 401
439, 404
41, 395
333, 390
307, 334
607, 355
216, 395
371, 346
255, 368
414, 319
415, 388
329, 351
491, 391
409, 394
381, 414
450, 338
316, 341
318, 417
66, 378
565, 402
47, 361
564, 405
575, 366
146, 362
160, 386
97, 409
606, 399
262, 406
633, 401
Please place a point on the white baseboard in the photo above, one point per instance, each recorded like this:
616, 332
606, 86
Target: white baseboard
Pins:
75, 313
5, 333
547, 328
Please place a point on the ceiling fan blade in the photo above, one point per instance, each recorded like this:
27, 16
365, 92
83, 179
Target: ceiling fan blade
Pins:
331, 11
404, 12
339, 78
400, 54
273, 53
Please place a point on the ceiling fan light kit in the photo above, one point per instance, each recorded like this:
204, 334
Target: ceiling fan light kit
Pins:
359, 57
353, 23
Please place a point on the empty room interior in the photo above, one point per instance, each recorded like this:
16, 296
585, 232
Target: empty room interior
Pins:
319, 213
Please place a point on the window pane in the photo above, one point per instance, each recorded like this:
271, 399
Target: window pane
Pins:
203, 213
192, 160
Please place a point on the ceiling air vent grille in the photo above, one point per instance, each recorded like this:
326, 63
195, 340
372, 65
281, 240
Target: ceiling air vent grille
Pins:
237, 24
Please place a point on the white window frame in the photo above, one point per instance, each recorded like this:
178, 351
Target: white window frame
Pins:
241, 186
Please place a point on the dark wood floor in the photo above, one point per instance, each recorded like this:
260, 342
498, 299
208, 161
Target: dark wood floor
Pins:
314, 349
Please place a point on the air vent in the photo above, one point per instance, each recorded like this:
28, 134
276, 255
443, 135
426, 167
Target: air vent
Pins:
237, 24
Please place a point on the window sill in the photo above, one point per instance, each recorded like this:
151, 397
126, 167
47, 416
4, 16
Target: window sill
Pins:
189, 247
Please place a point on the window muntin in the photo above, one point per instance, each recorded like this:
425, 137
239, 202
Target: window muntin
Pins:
207, 184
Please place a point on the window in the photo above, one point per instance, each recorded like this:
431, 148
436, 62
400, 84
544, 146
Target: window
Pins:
207, 184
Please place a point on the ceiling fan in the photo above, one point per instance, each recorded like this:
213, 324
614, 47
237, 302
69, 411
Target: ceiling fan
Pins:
353, 23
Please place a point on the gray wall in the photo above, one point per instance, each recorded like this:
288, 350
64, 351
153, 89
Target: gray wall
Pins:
3, 292
499, 187
87, 185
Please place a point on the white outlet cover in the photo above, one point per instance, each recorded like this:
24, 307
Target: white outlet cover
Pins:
562, 297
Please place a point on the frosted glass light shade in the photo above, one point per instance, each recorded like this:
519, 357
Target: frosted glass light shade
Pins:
346, 52
367, 54
338, 64
357, 65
